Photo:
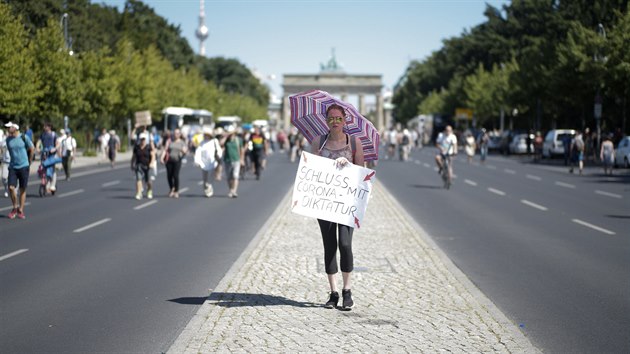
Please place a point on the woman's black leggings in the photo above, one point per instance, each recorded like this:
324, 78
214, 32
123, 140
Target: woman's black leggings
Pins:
329, 236
172, 174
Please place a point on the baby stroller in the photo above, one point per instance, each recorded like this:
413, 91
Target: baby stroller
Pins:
46, 171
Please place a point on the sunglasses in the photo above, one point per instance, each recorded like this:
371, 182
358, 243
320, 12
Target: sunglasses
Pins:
334, 119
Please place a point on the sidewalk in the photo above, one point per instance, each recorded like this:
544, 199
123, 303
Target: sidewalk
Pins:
408, 295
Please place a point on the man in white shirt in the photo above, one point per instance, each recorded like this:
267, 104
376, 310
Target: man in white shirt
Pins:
68, 148
446, 142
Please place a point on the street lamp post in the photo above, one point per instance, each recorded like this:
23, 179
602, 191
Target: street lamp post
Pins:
597, 108
66, 37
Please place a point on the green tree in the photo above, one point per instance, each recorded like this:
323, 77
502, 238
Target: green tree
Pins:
19, 84
58, 74
100, 88
617, 75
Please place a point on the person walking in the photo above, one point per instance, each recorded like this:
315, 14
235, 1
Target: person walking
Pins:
484, 139
577, 152
5, 159
140, 162
344, 149
470, 146
208, 157
260, 148
607, 155
113, 146
68, 148
49, 146
172, 157
20, 149
103, 140
233, 158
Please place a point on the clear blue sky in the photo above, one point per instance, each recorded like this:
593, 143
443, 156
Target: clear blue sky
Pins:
276, 37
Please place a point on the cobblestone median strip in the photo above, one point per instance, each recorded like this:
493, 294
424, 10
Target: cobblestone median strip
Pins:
408, 296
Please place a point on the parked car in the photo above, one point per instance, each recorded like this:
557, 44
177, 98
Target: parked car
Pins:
553, 145
494, 143
519, 144
622, 153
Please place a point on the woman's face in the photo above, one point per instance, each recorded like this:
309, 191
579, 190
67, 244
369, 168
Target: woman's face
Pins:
178, 134
335, 119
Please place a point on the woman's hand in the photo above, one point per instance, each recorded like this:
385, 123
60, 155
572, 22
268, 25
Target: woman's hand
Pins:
341, 162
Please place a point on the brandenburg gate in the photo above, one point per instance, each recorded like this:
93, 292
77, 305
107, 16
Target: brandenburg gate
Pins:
336, 82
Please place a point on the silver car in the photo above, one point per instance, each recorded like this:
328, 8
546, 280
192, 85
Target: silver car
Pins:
553, 144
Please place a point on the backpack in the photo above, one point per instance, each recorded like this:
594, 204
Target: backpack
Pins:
112, 142
405, 140
28, 152
579, 144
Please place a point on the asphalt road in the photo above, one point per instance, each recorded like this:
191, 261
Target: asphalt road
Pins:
550, 249
94, 270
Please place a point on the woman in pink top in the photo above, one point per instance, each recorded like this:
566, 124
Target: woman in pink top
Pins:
344, 149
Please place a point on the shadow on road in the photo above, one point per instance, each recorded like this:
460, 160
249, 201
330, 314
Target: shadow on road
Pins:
426, 186
246, 299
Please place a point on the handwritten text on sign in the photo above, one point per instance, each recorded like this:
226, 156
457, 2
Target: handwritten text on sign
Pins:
323, 191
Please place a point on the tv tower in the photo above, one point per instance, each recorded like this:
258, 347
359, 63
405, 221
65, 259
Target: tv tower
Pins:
202, 31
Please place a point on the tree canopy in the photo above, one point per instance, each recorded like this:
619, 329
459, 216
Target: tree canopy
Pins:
545, 59
120, 63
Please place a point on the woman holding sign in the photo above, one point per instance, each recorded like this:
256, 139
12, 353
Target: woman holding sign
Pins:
344, 149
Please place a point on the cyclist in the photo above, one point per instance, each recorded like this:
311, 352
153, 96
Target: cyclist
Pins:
446, 142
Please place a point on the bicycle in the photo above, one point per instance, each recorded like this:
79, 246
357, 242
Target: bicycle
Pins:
446, 162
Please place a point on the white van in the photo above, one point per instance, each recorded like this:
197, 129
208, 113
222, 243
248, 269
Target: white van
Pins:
553, 143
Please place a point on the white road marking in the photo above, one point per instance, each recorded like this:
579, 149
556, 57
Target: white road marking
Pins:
67, 194
144, 205
472, 183
600, 229
200, 183
566, 185
533, 205
492, 167
426, 165
535, 178
12, 254
496, 191
185, 189
417, 162
94, 224
507, 170
112, 183
608, 194
11, 207
435, 169
454, 175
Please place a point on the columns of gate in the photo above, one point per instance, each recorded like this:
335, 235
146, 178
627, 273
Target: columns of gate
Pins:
361, 105
286, 112
380, 124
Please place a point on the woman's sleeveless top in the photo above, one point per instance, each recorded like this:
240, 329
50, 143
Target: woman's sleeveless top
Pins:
345, 151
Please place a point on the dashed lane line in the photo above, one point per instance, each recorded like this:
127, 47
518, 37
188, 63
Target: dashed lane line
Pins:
11, 207
109, 184
183, 190
496, 191
94, 224
13, 254
565, 185
535, 178
426, 165
507, 170
67, 194
144, 205
472, 183
534, 205
492, 167
417, 162
594, 227
608, 194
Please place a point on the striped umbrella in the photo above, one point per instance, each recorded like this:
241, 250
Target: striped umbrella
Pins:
308, 115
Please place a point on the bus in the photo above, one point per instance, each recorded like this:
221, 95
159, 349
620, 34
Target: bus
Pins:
188, 120
228, 122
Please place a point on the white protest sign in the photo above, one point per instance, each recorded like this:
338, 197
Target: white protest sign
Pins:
323, 191
143, 118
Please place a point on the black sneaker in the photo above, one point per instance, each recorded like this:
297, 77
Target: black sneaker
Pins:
332, 302
347, 300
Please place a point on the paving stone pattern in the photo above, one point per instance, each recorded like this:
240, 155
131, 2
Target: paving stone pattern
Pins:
408, 296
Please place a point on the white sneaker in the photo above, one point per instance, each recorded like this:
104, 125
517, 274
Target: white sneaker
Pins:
6, 195
138, 196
